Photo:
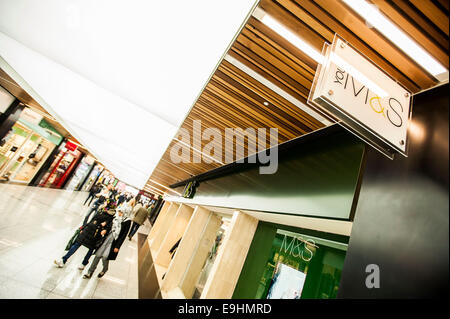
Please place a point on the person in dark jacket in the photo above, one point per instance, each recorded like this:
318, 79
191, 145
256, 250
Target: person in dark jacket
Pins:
94, 190
111, 246
113, 193
91, 236
102, 196
120, 199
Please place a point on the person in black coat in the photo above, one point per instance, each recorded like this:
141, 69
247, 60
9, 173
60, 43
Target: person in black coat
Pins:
94, 190
120, 199
91, 236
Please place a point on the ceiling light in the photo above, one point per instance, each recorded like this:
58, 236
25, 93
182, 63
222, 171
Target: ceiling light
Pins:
287, 34
266, 103
155, 182
153, 189
371, 14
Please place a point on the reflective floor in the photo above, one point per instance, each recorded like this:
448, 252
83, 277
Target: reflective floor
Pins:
35, 226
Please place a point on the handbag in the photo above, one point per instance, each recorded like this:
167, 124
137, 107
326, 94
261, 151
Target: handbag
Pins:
74, 238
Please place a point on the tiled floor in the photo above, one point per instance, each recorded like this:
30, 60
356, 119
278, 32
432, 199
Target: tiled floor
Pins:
35, 226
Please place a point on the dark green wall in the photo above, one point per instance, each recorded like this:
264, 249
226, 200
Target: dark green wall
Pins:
318, 178
255, 262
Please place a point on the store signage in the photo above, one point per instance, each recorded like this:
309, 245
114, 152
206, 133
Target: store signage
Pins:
354, 92
31, 116
70, 146
298, 247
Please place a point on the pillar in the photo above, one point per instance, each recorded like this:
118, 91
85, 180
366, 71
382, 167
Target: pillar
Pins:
230, 258
9, 118
176, 231
166, 222
158, 222
192, 252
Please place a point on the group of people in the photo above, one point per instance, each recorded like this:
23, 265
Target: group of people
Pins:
111, 218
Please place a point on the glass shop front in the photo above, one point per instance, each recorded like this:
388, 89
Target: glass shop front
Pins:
62, 166
25, 149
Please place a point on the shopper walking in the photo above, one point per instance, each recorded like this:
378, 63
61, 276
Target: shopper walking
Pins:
139, 218
91, 236
93, 191
120, 199
110, 249
113, 193
103, 250
102, 196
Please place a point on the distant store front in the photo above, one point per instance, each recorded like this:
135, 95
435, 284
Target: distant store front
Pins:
147, 198
106, 178
93, 177
79, 176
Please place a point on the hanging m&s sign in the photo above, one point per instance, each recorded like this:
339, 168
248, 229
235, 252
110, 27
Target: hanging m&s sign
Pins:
350, 89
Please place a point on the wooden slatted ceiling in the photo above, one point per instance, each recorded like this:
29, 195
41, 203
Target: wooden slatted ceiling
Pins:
234, 99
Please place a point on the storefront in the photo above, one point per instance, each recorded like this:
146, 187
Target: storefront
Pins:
298, 265
93, 177
121, 186
79, 176
147, 198
27, 146
62, 167
106, 178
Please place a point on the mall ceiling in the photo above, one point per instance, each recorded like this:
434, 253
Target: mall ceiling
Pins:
260, 63
14, 89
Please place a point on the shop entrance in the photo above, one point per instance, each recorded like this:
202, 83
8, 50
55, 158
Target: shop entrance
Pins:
60, 169
96, 171
81, 172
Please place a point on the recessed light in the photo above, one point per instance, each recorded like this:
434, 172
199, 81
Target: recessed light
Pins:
266, 103
287, 34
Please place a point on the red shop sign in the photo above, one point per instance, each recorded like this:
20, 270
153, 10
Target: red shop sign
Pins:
71, 146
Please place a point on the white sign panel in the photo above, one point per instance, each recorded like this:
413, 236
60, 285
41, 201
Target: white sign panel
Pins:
30, 116
352, 90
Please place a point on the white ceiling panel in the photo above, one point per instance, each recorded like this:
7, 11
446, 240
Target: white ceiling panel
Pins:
120, 75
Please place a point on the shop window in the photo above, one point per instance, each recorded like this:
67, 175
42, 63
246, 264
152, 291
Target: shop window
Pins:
299, 266
92, 177
22, 154
61, 168
80, 173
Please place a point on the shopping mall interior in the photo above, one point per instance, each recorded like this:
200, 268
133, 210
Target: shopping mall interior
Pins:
241, 149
